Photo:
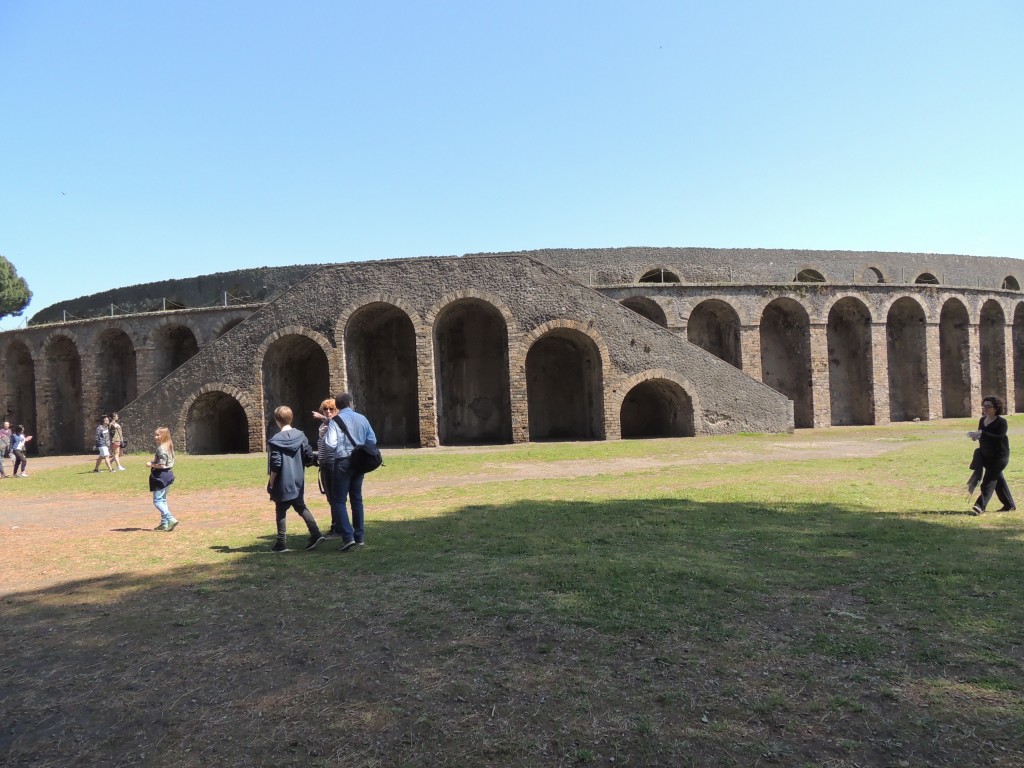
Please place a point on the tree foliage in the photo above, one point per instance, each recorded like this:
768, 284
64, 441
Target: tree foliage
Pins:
14, 292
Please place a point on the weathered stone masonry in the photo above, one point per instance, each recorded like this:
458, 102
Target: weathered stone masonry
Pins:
513, 347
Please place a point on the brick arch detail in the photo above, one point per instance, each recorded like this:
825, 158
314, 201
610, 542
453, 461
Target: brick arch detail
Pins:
886, 305
169, 321
686, 310
526, 341
762, 305
252, 409
418, 324
617, 394
430, 316
329, 350
838, 296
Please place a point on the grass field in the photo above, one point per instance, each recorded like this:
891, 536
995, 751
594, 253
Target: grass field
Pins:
816, 599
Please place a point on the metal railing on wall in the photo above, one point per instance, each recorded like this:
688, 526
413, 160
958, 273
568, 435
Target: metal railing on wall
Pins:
161, 304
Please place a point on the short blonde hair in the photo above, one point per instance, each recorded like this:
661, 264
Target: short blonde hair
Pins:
328, 403
283, 415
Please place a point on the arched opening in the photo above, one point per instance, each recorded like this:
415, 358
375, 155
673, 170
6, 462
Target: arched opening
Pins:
380, 347
786, 356
216, 423
1018, 358
809, 276
20, 372
908, 371
295, 373
850, 365
714, 326
1010, 283
993, 350
564, 389
471, 365
660, 275
656, 408
926, 278
173, 346
954, 359
115, 371
647, 308
873, 275
64, 428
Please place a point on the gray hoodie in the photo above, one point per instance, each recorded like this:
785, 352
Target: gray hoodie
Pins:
288, 454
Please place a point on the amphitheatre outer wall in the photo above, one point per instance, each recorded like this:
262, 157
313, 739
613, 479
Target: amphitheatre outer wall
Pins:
846, 337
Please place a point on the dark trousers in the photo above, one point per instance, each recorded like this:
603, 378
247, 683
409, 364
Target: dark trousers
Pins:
20, 462
994, 482
299, 505
346, 486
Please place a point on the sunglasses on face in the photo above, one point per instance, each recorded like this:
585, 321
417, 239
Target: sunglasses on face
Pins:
329, 410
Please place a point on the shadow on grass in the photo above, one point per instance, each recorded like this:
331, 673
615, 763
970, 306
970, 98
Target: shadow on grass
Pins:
655, 632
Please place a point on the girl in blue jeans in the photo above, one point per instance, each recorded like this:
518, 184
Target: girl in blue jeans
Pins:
161, 476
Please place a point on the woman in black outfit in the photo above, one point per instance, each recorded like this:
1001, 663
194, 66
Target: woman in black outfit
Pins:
995, 455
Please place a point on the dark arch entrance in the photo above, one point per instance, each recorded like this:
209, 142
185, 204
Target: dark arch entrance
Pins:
20, 372
656, 408
295, 373
648, 308
380, 349
471, 364
173, 346
116, 372
908, 371
715, 327
786, 356
564, 387
1018, 358
993, 350
216, 423
64, 428
850, 377
954, 359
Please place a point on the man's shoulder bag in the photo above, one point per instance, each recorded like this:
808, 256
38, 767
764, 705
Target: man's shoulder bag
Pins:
364, 458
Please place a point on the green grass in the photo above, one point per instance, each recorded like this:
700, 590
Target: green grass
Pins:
811, 599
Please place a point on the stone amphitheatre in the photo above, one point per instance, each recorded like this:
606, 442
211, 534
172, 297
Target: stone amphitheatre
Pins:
589, 344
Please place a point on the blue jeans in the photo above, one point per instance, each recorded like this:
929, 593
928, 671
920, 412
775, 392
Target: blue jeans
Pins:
346, 486
160, 502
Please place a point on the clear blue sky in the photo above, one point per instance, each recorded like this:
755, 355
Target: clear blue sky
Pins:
142, 140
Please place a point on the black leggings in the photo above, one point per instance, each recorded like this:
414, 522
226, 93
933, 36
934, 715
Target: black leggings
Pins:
19, 461
299, 505
993, 481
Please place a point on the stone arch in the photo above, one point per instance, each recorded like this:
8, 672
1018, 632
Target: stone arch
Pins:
906, 342
715, 327
564, 387
215, 420
1010, 283
116, 372
295, 371
850, 364
648, 308
659, 275
657, 404
786, 355
992, 334
381, 363
64, 430
226, 326
873, 275
954, 359
926, 278
19, 371
471, 373
174, 343
809, 276
1018, 357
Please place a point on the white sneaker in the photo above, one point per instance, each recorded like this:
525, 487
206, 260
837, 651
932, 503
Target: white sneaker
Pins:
121, 469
